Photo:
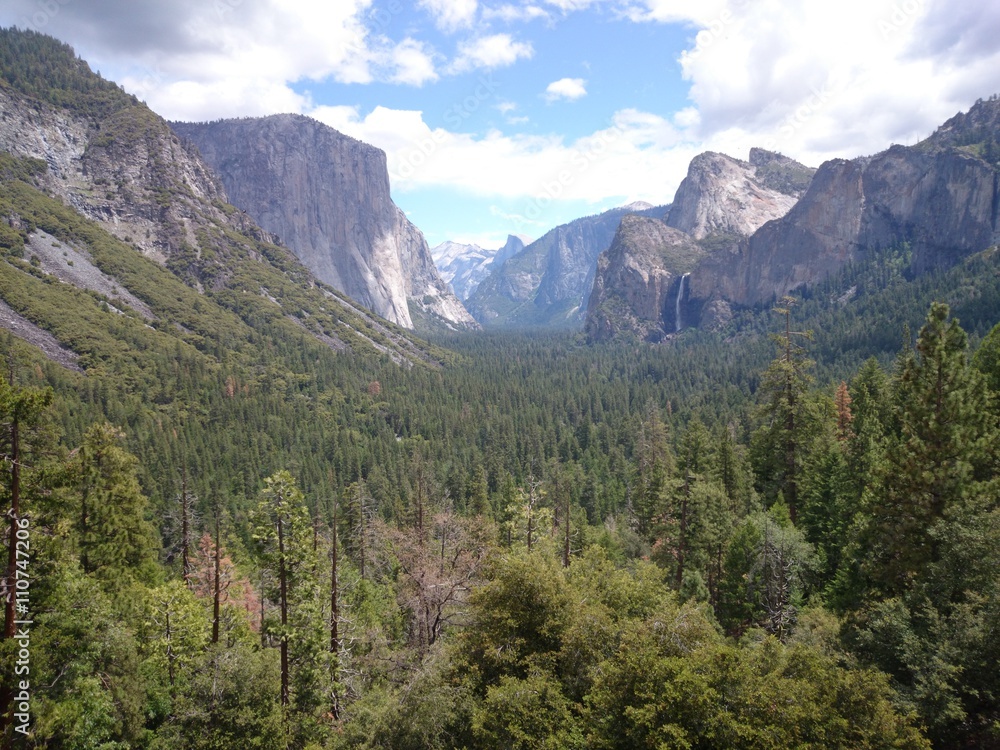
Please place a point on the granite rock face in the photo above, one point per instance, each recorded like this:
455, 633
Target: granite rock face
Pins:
640, 285
654, 279
764, 234
723, 195
327, 197
817, 236
548, 283
940, 200
129, 173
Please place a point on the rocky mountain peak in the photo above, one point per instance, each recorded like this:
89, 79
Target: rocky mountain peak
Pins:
636, 206
976, 132
725, 196
547, 283
326, 195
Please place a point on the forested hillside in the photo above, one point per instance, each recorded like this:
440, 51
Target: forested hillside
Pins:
228, 529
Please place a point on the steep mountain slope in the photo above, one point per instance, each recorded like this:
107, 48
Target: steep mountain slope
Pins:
640, 283
642, 280
142, 207
547, 283
938, 201
327, 196
937, 198
465, 266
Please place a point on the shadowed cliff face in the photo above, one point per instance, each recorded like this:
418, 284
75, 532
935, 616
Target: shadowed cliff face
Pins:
638, 287
817, 236
327, 197
760, 240
942, 202
638, 280
548, 282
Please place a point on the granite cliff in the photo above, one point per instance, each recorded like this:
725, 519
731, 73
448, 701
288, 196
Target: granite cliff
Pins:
464, 266
132, 186
127, 171
644, 280
939, 198
640, 282
763, 233
548, 283
327, 197
726, 196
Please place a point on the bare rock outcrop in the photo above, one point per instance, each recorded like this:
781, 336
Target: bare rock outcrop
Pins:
640, 285
464, 266
127, 171
725, 196
326, 195
938, 200
549, 281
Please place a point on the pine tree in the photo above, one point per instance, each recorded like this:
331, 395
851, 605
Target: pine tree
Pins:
654, 465
281, 530
842, 402
21, 410
945, 448
782, 439
113, 534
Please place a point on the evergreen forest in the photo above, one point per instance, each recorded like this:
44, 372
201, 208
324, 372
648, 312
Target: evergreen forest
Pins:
222, 532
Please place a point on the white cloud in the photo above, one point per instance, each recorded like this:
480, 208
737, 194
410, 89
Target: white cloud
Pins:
818, 80
639, 156
191, 59
507, 109
568, 6
569, 89
244, 97
413, 62
814, 80
494, 51
451, 15
701, 12
514, 13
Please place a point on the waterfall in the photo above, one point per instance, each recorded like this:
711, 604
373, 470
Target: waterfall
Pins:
678, 322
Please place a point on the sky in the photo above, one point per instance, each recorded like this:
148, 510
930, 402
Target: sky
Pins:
514, 116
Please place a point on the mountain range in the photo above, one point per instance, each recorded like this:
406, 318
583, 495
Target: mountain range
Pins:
747, 233
737, 234
88, 166
547, 283
464, 266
